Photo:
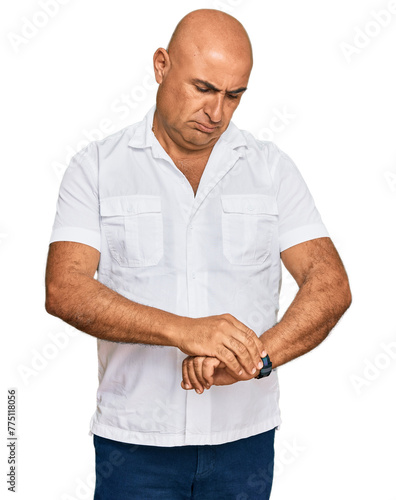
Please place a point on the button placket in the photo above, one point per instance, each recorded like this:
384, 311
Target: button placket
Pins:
191, 273
198, 416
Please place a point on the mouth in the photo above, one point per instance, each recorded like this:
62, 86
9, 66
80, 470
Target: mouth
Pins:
205, 128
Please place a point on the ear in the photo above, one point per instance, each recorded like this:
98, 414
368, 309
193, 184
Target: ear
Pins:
161, 63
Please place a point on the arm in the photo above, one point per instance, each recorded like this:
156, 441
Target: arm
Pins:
322, 299
75, 296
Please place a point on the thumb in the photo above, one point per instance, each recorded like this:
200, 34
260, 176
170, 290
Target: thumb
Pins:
209, 368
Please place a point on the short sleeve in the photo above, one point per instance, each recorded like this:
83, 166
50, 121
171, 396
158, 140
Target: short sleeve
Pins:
77, 214
299, 219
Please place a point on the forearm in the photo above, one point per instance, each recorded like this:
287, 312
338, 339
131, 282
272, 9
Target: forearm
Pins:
97, 310
317, 307
75, 296
323, 297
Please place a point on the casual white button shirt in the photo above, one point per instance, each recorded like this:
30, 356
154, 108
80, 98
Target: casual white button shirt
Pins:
213, 253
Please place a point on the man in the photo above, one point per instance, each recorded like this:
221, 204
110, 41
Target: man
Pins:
186, 219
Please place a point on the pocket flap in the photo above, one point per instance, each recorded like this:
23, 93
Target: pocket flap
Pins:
250, 204
129, 205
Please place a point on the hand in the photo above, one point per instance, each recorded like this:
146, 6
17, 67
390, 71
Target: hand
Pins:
201, 372
225, 338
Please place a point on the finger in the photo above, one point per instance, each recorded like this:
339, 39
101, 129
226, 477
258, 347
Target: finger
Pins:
242, 350
193, 377
209, 366
248, 331
186, 383
244, 376
248, 348
229, 359
198, 368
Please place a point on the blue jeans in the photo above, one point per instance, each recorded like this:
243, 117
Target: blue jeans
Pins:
239, 470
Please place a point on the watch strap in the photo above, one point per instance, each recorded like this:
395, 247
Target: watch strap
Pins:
266, 369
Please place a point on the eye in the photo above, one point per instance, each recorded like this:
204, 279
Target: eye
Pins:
233, 96
200, 89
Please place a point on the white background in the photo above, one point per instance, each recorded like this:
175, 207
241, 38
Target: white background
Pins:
338, 407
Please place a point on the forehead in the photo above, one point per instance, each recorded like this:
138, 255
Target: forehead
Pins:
225, 68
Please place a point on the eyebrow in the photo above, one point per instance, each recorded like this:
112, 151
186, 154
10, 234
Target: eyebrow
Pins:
212, 87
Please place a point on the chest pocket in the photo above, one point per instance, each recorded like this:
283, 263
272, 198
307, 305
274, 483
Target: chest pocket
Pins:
134, 229
248, 225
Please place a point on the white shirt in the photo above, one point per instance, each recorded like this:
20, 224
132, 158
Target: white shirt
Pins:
215, 253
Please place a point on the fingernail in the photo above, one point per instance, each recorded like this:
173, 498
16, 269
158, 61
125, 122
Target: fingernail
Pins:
187, 386
240, 372
198, 391
263, 354
260, 365
254, 370
207, 386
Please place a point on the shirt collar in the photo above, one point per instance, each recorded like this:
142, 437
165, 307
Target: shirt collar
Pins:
143, 136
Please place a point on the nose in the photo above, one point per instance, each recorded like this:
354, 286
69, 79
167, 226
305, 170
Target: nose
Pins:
214, 107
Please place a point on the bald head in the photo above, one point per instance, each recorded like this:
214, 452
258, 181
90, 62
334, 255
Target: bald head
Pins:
211, 30
202, 76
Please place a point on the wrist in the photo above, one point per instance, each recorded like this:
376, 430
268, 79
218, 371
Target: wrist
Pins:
175, 329
269, 343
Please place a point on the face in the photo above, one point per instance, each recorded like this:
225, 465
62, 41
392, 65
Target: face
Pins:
198, 95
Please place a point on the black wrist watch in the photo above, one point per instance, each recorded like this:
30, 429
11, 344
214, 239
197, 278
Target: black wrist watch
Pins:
266, 369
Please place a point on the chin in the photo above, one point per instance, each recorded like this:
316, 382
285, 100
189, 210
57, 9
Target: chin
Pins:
199, 142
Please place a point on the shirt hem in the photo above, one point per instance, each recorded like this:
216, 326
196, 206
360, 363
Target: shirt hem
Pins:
169, 440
